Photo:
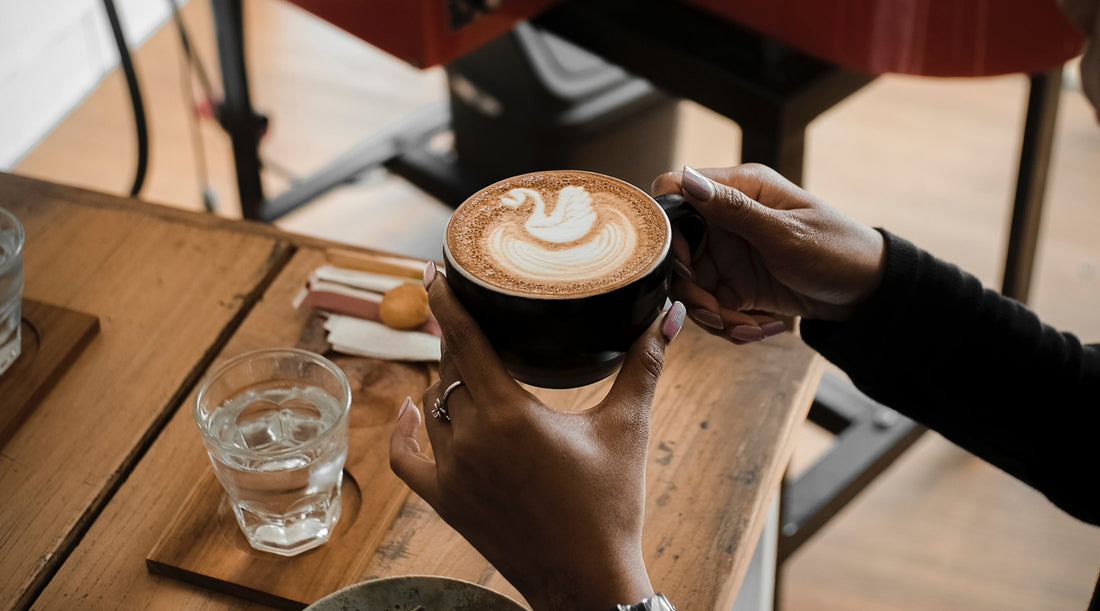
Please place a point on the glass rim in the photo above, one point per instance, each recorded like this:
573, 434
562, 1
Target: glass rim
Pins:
215, 373
21, 233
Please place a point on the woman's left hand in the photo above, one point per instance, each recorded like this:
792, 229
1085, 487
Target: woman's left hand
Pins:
554, 500
1085, 14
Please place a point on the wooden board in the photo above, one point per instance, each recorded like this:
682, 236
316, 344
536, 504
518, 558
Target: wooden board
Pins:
168, 291
205, 546
108, 569
51, 338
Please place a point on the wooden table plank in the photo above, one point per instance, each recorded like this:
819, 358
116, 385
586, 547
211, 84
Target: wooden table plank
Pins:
165, 291
720, 447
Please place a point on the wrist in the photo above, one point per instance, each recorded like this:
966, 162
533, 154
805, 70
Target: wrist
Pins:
600, 585
867, 270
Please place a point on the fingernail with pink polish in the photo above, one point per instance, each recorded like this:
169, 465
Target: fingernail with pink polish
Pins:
696, 185
707, 318
429, 273
674, 321
404, 406
746, 333
774, 327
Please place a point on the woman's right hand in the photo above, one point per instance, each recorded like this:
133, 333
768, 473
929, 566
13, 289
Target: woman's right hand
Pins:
770, 246
553, 499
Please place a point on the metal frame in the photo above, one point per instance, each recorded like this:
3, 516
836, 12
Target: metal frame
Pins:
869, 437
402, 147
386, 147
235, 112
772, 91
1031, 181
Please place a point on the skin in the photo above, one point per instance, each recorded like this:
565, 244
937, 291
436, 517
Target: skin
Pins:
770, 246
1085, 15
554, 500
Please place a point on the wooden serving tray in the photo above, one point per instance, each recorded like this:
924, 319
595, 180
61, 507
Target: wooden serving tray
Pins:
204, 545
52, 337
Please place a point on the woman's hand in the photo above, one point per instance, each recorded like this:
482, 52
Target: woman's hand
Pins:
554, 500
770, 246
1085, 15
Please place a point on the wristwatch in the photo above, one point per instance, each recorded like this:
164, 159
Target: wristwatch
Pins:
657, 602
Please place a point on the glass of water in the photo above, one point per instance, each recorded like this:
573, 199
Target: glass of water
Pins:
11, 288
275, 424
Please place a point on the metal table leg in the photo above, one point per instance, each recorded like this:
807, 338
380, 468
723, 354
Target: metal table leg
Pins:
235, 113
1031, 182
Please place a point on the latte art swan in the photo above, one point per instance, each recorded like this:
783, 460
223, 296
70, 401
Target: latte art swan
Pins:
572, 218
557, 234
561, 245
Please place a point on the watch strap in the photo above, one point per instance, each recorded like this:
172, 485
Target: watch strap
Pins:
657, 602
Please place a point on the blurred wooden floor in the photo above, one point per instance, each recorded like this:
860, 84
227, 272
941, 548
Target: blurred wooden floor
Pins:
932, 160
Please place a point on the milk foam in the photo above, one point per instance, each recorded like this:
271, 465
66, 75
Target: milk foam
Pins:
610, 247
571, 219
558, 234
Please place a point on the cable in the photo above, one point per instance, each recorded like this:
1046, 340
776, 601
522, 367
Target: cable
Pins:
192, 58
135, 98
197, 146
190, 67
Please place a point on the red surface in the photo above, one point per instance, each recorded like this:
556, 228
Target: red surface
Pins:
417, 31
928, 37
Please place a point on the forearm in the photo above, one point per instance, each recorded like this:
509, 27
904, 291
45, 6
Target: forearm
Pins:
977, 367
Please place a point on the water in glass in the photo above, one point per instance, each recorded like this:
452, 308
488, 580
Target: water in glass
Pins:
11, 293
281, 460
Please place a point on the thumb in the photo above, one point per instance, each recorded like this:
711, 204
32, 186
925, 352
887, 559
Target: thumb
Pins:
407, 461
637, 379
725, 206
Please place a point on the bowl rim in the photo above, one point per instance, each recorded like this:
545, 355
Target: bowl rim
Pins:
435, 578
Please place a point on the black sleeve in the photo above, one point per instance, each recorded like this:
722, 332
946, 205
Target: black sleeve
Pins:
979, 368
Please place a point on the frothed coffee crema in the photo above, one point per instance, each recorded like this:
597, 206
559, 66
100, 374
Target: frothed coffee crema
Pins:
558, 234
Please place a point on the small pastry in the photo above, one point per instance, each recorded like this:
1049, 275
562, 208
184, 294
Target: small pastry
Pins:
404, 307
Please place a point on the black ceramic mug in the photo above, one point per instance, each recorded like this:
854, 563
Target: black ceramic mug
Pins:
566, 341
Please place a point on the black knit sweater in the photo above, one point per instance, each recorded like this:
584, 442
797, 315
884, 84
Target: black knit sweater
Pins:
979, 368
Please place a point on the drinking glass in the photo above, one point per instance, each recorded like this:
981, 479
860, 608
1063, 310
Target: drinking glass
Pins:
11, 288
275, 425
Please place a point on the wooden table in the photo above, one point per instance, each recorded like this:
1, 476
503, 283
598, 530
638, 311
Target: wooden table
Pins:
99, 469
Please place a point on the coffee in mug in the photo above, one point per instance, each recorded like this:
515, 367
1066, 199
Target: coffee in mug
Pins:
562, 270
